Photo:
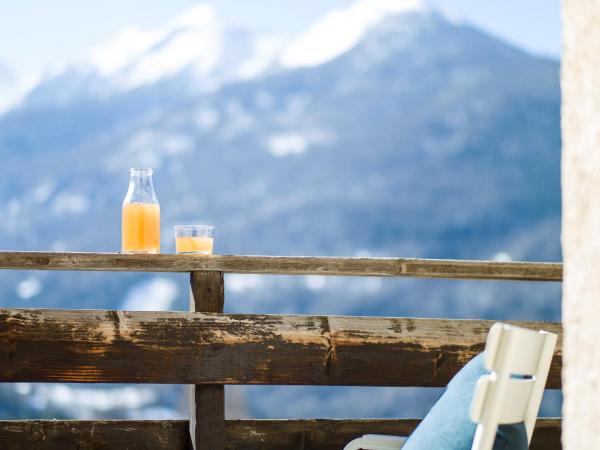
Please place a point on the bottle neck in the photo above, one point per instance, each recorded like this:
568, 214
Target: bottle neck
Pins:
141, 189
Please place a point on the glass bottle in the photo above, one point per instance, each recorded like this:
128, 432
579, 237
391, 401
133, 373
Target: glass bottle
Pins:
141, 215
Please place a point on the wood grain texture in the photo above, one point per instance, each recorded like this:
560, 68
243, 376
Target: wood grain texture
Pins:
207, 402
240, 434
290, 265
207, 292
204, 348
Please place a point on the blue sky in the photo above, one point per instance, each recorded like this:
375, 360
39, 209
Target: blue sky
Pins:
37, 34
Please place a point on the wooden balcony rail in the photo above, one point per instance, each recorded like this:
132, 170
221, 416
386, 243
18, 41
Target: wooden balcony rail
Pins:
208, 349
285, 265
198, 348
239, 434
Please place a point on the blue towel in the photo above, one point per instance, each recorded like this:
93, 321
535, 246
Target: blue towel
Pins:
447, 426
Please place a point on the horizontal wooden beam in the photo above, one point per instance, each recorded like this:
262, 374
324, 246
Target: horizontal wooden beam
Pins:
240, 434
285, 265
203, 348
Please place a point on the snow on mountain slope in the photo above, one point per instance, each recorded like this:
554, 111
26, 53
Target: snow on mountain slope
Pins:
339, 30
194, 40
12, 89
198, 41
198, 49
202, 51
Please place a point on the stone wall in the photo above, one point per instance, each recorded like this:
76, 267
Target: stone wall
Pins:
581, 223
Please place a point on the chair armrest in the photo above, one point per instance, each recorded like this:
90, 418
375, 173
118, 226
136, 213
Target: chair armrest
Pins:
376, 442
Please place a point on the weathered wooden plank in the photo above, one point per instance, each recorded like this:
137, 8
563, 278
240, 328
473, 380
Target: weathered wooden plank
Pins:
324, 434
240, 434
94, 435
207, 402
291, 265
198, 348
208, 292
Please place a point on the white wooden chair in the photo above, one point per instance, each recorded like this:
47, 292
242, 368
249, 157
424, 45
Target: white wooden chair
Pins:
499, 397
376, 442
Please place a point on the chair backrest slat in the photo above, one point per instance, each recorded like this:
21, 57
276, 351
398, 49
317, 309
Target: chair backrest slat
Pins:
515, 349
515, 405
519, 360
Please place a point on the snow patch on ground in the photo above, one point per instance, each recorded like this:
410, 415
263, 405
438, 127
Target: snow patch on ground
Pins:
86, 402
28, 288
207, 119
288, 143
502, 257
241, 283
42, 192
158, 294
315, 282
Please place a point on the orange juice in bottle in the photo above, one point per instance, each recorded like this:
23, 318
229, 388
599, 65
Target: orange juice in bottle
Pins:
141, 215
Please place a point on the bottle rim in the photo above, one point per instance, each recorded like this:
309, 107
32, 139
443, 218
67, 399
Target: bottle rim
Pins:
140, 171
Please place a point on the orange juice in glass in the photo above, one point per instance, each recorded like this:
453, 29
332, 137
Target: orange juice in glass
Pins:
141, 215
194, 239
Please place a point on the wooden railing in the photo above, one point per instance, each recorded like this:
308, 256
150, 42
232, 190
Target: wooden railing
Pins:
285, 265
208, 349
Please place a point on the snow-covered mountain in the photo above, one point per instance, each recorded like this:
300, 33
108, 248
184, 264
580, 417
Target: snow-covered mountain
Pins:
198, 42
197, 49
385, 129
203, 51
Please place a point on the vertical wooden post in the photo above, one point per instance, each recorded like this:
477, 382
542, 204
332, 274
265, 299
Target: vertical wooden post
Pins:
207, 402
580, 83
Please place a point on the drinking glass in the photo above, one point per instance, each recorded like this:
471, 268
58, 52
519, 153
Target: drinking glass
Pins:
194, 239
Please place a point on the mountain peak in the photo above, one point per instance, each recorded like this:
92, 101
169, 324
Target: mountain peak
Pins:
198, 42
193, 38
339, 30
